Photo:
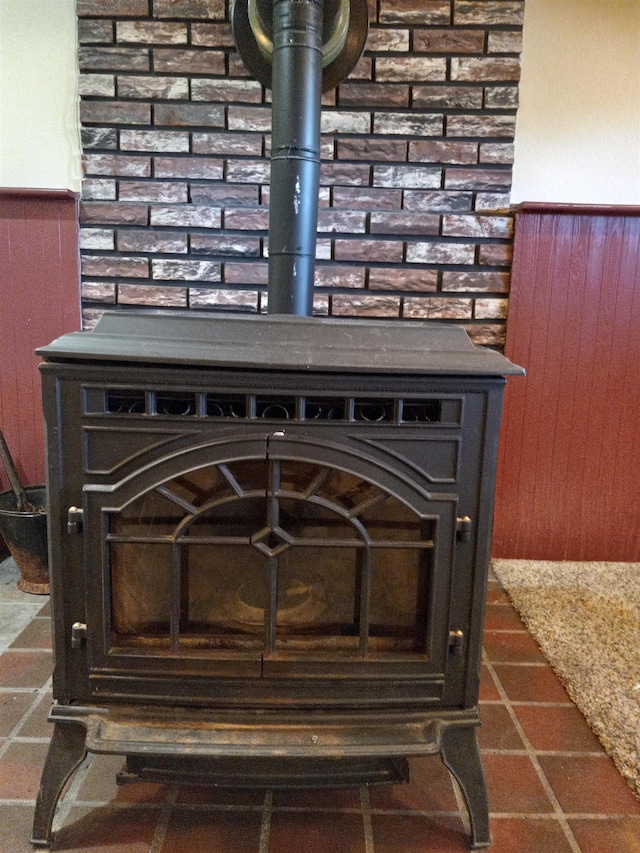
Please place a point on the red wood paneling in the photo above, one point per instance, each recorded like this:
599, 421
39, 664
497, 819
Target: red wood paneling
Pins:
569, 466
39, 300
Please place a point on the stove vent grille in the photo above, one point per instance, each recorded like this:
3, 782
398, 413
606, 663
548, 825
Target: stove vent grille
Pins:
273, 407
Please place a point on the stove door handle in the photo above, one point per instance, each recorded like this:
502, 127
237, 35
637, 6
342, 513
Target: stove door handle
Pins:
463, 529
74, 520
78, 635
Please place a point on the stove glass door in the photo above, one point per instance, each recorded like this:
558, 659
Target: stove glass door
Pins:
283, 560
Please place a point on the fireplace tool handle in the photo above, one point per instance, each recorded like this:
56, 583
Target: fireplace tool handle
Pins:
24, 505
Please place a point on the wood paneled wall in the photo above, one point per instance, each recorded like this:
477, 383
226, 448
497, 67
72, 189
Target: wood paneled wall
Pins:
39, 300
569, 469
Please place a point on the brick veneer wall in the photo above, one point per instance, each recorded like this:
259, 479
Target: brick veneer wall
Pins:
417, 149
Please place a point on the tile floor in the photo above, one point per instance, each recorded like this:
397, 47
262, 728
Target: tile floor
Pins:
551, 788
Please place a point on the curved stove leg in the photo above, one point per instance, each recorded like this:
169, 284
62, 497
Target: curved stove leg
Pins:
460, 754
67, 750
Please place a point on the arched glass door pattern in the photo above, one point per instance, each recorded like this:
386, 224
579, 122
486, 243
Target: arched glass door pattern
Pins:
276, 556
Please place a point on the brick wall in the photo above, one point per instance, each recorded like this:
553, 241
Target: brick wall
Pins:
417, 150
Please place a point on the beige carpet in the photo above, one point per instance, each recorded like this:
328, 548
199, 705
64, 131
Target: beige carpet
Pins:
586, 619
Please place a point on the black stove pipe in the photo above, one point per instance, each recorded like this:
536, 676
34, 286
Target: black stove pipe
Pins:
295, 154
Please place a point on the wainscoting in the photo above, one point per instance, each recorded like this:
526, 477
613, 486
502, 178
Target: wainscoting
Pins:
569, 470
39, 301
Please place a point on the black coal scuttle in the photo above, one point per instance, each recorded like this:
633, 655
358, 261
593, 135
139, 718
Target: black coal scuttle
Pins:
269, 535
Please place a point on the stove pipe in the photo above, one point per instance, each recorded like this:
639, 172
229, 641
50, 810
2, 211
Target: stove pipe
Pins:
298, 48
295, 153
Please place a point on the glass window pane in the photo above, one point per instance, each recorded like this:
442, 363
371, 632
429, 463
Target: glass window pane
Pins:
200, 486
400, 596
347, 490
239, 518
141, 592
317, 600
251, 474
226, 591
306, 520
149, 515
391, 520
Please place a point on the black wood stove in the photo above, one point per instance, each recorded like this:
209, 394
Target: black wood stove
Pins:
269, 536
269, 547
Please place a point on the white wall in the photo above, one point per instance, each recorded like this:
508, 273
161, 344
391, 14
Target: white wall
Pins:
578, 126
39, 135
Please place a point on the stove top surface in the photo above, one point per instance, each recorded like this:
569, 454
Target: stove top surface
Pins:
280, 342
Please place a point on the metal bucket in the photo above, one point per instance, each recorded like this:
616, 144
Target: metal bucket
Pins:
26, 536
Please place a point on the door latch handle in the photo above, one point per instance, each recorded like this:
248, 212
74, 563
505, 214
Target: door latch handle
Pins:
456, 642
463, 529
78, 635
74, 520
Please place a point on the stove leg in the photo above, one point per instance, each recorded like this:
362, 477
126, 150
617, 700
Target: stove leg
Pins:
66, 751
460, 754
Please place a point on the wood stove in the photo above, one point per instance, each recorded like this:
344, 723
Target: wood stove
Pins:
269, 547
269, 536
